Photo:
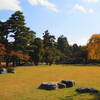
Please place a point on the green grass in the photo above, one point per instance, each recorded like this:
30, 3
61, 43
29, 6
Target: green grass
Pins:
23, 85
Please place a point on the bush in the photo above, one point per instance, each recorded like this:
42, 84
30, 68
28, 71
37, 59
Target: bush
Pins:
10, 70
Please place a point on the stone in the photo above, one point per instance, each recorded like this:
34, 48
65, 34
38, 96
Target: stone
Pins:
48, 86
86, 90
68, 83
2, 70
61, 85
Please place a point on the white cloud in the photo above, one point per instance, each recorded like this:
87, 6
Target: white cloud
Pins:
82, 9
15, 4
10, 5
91, 1
91, 11
44, 3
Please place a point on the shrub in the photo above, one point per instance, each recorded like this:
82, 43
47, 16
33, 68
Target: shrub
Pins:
10, 70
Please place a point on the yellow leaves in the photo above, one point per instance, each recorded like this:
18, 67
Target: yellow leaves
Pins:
94, 47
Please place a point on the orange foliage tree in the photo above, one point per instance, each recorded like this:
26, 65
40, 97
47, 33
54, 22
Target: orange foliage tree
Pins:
18, 56
2, 49
94, 47
2, 52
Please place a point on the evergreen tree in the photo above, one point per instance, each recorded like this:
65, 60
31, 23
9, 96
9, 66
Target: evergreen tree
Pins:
22, 35
64, 48
48, 40
49, 47
62, 44
37, 53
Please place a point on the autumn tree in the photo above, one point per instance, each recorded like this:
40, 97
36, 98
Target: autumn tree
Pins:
2, 52
94, 47
16, 57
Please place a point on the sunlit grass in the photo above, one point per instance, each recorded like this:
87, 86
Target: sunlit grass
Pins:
23, 85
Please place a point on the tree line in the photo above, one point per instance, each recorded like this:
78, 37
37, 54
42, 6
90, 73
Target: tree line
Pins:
25, 47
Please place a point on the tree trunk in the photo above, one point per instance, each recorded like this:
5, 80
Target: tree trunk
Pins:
7, 63
0, 63
13, 63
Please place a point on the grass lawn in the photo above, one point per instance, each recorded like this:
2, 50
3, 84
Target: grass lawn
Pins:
23, 85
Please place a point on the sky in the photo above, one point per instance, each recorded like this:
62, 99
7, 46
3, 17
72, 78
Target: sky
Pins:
75, 19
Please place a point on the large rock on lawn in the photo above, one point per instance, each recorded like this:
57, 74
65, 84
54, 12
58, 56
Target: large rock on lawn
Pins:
49, 86
2, 70
68, 83
61, 85
86, 90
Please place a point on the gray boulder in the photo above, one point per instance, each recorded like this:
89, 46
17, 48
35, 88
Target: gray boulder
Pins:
61, 85
86, 90
68, 83
49, 86
2, 70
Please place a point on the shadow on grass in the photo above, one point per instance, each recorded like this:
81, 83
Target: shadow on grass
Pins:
81, 97
68, 98
97, 96
89, 65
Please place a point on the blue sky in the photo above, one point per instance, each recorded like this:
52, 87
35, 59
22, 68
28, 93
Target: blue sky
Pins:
75, 19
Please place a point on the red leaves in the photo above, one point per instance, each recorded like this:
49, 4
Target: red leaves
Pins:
2, 49
19, 55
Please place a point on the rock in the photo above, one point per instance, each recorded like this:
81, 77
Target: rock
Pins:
68, 83
61, 85
2, 70
49, 86
86, 90
55, 85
